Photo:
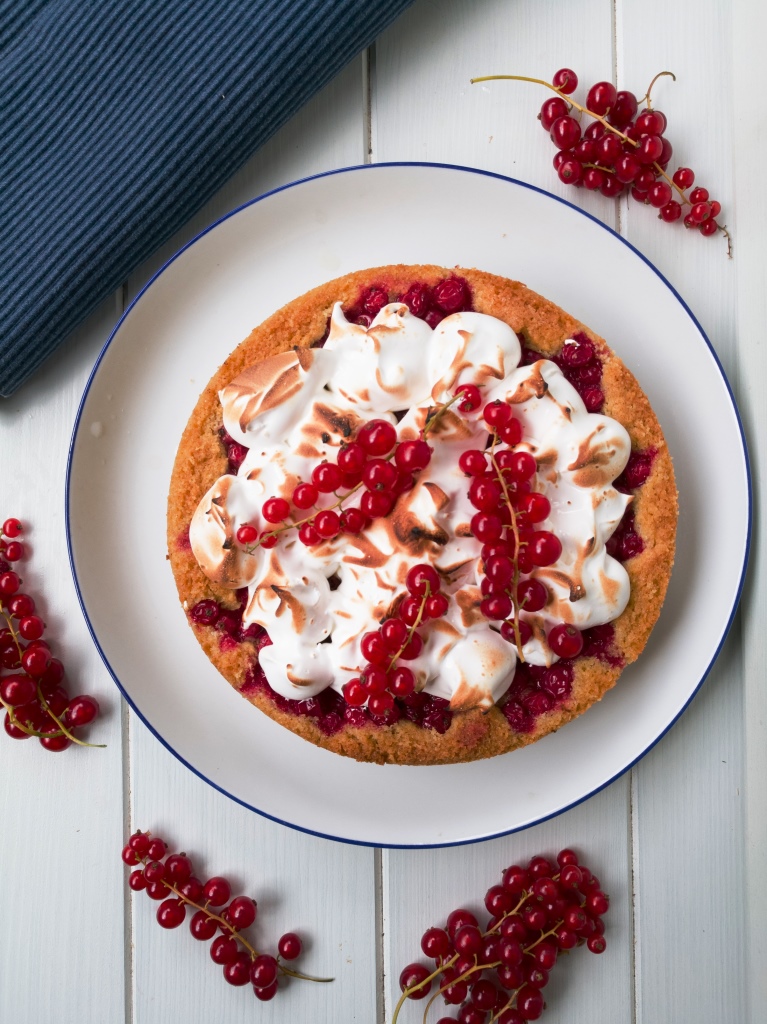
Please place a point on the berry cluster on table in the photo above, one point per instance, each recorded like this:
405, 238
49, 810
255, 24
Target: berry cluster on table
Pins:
32, 687
624, 149
170, 879
497, 974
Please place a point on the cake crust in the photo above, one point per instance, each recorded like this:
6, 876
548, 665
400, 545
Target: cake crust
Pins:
541, 325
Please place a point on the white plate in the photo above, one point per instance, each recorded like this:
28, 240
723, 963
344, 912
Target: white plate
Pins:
202, 304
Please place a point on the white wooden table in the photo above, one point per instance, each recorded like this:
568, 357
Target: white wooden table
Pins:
679, 841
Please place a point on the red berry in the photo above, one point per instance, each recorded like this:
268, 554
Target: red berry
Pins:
35, 660
191, 889
156, 850
699, 195
413, 648
499, 569
532, 595
511, 433
659, 194
412, 456
402, 682
305, 495
275, 510
623, 109
565, 640
570, 171
535, 507
247, 534
12, 528
565, 132
596, 944
412, 977
266, 993
496, 607
436, 606
136, 881
14, 551
409, 610
327, 524
394, 633
81, 710
308, 535
611, 186
468, 940
451, 295
486, 527
374, 681
289, 946
649, 149
545, 548
223, 950
601, 97
242, 912
700, 212
171, 913
472, 397
380, 704
18, 689
353, 520
708, 227
716, 208
326, 477
374, 649
608, 150
457, 919
683, 177
422, 579
529, 1002
593, 179
31, 627
485, 494
238, 971
376, 504
671, 211
551, 110
377, 437
178, 869
268, 539
217, 891
354, 693
435, 942
565, 80
9, 583
263, 970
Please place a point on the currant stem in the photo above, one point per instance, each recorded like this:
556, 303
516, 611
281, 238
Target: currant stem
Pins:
565, 97
650, 86
60, 724
515, 561
406, 992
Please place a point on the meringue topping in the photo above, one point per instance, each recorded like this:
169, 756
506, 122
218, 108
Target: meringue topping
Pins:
293, 410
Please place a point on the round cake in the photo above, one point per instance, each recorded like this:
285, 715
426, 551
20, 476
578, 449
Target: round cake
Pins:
422, 516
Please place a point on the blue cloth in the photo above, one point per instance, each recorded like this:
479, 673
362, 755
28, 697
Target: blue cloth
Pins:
118, 120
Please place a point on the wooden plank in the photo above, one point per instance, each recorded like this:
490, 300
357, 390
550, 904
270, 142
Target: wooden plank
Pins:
688, 813
62, 814
749, 25
326, 891
425, 109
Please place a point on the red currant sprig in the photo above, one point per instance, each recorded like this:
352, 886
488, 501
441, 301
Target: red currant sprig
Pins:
508, 510
622, 149
31, 691
375, 460
170, 879
382, 679
537, 914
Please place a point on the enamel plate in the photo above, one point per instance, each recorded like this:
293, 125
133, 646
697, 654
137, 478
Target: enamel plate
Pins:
180, 329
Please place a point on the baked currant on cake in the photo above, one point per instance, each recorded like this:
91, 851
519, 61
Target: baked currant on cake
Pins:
422, 516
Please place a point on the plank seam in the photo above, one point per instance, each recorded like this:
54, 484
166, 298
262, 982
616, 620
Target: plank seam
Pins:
368, 82
379, 936
634, 917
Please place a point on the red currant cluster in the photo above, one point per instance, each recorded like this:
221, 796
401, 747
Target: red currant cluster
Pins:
508, 512
623, 148
375, 461
397, 639
497, 975
217, 916
35, 702
432, 304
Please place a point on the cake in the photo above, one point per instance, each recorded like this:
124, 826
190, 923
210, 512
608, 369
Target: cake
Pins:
422, 516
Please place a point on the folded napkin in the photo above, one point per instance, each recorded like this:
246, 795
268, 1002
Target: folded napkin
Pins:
118, 120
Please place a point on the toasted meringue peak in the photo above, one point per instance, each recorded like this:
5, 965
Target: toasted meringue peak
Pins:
294, 410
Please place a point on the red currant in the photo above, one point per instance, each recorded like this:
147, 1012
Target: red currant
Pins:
263, 970
551, 110
217, 891
565, 132
565, 80
601, 97
472, 397
422, 579
353, 520
305, 495
327, 524
247, 534
275, 510
377, 437
12, 528
565, 640
289, 946
412, 456
326, 477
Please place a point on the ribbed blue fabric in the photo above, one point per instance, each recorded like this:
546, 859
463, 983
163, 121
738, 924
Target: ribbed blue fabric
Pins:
118, 120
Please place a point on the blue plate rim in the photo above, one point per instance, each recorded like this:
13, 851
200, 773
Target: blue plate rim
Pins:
373, 168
